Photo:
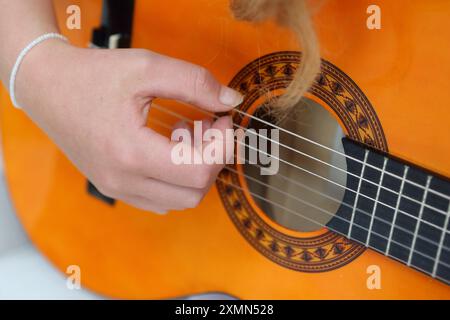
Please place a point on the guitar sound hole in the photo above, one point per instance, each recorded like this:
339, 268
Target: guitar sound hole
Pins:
295, 198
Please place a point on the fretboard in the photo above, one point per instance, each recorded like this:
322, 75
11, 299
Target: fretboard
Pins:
399, 210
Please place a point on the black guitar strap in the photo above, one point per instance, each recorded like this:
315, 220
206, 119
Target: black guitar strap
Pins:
117, 24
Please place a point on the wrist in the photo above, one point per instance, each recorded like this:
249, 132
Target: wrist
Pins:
39, 70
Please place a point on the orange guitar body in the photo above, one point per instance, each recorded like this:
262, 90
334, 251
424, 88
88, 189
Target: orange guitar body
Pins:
403, 69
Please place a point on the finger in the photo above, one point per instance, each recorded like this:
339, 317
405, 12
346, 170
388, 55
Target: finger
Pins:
156, 158
180, 80
225, 147
144, 204
181, 125
206, 124
167, 196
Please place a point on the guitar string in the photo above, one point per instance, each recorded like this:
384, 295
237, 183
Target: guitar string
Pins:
373, 248
336, 151
442, 195
324, 178
320, 177
330, 228
160, 123
333, 150
333, 215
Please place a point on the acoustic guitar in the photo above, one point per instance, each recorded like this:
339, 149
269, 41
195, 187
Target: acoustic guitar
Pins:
359, 207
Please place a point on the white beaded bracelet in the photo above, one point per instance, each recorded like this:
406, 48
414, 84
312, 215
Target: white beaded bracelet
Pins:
23, 53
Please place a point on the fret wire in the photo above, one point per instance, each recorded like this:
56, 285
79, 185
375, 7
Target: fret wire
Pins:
357, 194
318, 223
416, 231
324, 162
405, 171
162, 124
372, 218
441, 244
321, 177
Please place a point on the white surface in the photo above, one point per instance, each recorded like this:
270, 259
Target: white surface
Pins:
25, 274
11, 234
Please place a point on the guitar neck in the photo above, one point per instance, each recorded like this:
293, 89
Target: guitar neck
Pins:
397, 209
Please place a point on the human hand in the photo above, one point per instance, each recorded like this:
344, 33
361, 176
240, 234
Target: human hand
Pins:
94, 105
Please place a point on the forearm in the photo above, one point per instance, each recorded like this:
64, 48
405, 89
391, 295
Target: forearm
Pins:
21, 21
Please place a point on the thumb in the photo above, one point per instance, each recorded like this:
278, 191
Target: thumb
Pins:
180, 80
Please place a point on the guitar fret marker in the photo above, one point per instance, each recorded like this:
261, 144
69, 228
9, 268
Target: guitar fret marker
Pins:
419, 218
441, 244
391, 232
376, 201
366, 154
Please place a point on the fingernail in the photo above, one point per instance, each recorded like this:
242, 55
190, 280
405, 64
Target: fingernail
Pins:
230, 97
